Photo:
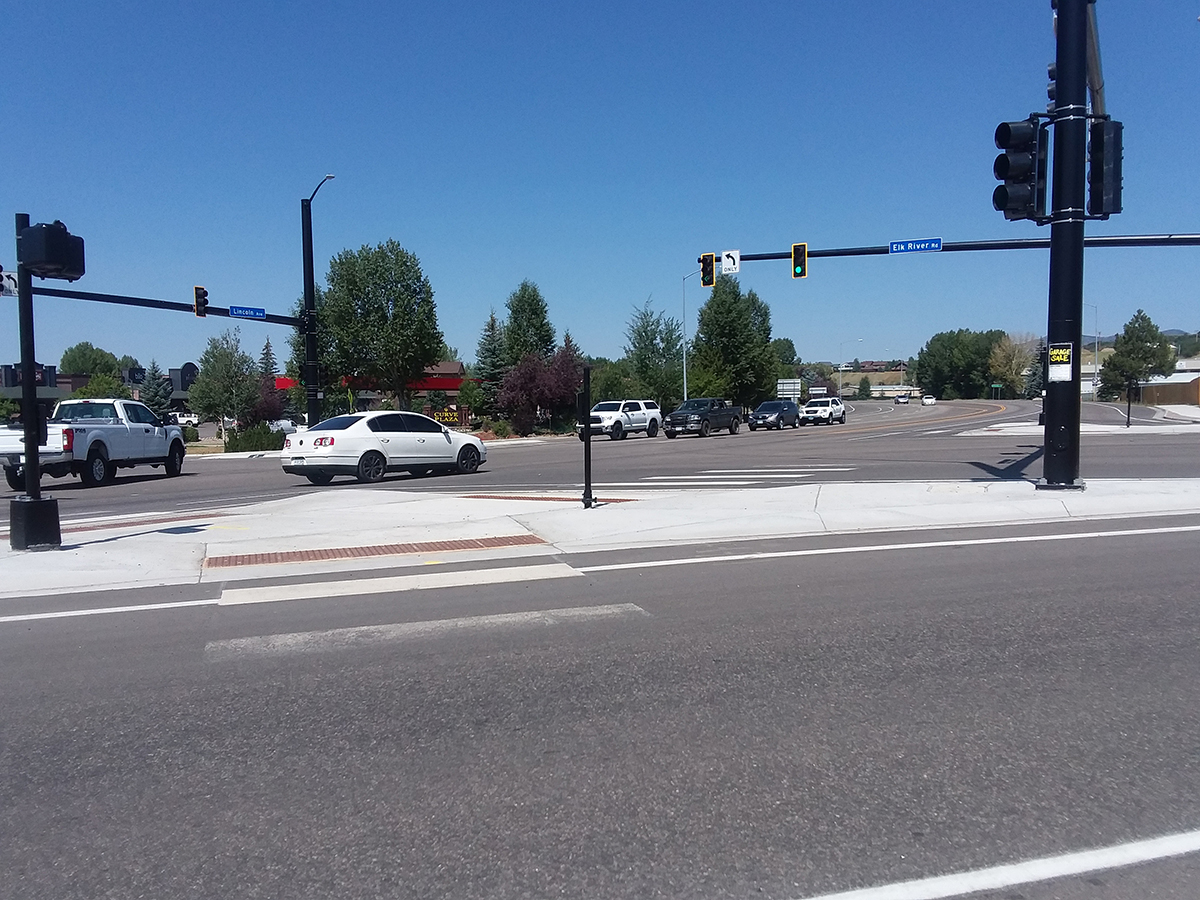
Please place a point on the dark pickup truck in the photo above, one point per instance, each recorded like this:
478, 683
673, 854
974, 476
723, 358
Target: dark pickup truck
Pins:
703, 416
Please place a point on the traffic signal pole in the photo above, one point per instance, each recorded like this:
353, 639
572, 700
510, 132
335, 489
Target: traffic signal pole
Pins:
309, 318
1060, 466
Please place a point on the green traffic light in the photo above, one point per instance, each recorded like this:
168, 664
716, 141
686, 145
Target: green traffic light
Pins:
799, 269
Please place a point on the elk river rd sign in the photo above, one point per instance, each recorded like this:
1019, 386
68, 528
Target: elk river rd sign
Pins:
921, 246
247, 312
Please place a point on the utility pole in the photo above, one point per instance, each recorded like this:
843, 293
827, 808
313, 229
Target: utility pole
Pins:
309, 317
1060, 468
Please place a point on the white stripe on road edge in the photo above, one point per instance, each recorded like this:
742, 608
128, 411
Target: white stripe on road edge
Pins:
71, 613
366, 635
999, 877
871, 548
704, 479
660, 484
311, 590
782, 469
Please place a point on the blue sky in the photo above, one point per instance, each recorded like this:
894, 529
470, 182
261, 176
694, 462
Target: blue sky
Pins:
596, 149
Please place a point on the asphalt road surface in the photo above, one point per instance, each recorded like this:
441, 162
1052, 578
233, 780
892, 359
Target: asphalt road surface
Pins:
780, 727
880, 442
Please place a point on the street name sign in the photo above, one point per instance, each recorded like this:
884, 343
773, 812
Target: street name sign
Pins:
922, 246
731, 262
247, 312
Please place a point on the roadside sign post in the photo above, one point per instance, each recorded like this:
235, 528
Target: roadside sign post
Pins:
585, 422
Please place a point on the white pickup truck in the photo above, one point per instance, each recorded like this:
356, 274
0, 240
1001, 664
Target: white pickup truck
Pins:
92, 439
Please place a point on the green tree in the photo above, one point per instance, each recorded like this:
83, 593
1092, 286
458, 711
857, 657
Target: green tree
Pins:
733, 357
655, 355
128, 362
1140, 350
228, 384
864, 389
612, 380
470, 395
382, 322
955, 364
84, 359
156, 390
490, 363
328, 376
267, 365
1008, 362
527, 329
8, 409
103, 385
1035, 379
785, 352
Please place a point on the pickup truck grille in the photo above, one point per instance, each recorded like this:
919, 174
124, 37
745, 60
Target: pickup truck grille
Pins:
596, 420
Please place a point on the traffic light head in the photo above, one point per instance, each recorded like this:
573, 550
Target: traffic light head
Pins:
1022, 168
1104, 168
708, 269
799, 260
200, 306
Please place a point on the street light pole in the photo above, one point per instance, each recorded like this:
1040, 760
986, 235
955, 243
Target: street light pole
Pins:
842, 361
684, 324
309, 318
1096, 352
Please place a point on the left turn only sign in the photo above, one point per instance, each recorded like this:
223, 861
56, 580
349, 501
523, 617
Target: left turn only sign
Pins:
731, 262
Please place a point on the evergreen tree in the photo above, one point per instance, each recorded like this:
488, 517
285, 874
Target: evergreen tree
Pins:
864, 389
527, 329
490, 365
655, 355
1140, 350
156, 390
267, 366
733, 356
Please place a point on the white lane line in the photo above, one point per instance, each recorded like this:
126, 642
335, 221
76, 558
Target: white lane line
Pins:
661, 484
780, 469
871, 548
706, 478
320, 590
103, 611
366, 635
1000, 877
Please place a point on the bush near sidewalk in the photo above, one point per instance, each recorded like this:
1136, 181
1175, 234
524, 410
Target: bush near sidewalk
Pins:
257, 437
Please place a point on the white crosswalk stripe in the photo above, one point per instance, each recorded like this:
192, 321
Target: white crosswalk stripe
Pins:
716, 479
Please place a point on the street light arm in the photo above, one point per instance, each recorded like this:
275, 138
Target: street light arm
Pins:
318, 187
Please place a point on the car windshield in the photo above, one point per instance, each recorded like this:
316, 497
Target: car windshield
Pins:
337, 423
606, 407
816, 404
769, 407
694, 404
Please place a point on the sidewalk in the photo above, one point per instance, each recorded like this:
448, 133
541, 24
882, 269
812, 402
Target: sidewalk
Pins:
362, 528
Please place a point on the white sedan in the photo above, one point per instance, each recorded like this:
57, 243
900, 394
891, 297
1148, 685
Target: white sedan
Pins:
368, 445
928, 400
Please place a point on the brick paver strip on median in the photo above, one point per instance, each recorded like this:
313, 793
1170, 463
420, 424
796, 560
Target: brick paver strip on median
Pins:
287, 556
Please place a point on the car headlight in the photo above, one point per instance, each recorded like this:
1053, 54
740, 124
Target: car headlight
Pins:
693, 418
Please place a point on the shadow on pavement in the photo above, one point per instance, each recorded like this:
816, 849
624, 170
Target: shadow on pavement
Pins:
1015, 470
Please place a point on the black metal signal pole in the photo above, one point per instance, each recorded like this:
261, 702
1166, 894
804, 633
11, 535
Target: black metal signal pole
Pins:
585, 416
309, 317
1060, 467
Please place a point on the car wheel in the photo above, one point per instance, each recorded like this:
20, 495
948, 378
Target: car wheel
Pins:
15, 478
95, 469
319, 478
652, 429
734, 425
617, 432
796, 423
175, 460
842, 420
468, 460
752, 426
670, 435
704, 428
371, 467
581, 437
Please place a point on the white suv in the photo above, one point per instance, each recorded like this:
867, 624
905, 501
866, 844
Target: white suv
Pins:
823, 411
617, 418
